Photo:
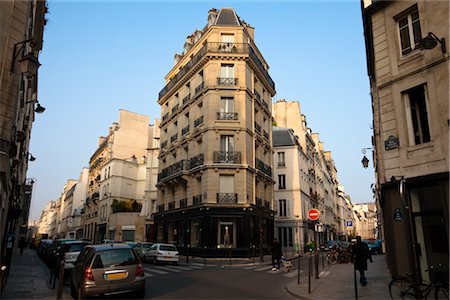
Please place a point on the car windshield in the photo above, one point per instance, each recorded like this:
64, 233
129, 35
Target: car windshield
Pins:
77, 247
167, 248
146, 246
114, 257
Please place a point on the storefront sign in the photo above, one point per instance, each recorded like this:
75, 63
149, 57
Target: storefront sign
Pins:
349, 223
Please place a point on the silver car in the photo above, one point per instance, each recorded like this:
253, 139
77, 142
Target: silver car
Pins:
107, 269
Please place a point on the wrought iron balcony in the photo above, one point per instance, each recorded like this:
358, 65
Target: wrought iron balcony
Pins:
199, 88
260, 165
267, 204
257, 95
176, 168
171, 205
198, 122
227, 198
175, 108
196, 161
260, 66
227, 81
231, 157
228, 47
186, 99
197, 200
259, 201
161, 208
174, 137
185, 130
164, 144
183, 203
257, 127
227, 115
266, 134
165, 117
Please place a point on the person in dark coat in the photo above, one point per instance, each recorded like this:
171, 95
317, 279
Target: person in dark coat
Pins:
360, 255
22, 245
276, 253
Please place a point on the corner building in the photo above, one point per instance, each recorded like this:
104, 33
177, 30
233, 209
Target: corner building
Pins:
215, 185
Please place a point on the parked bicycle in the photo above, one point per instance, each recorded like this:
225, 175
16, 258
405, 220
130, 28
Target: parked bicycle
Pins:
404, 287
340, 255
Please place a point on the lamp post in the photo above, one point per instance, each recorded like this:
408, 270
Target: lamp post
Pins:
365, 160
430, 42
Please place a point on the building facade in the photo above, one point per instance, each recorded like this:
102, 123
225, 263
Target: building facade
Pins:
408, 67
215, 183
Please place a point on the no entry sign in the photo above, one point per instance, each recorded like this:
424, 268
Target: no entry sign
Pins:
313, 214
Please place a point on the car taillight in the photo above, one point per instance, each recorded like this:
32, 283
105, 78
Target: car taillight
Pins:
88, 275
139, 270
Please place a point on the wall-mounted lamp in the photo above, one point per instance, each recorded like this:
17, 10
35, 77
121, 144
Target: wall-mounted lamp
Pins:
365, 160
31, 157
28, 63
39, 109
430, 42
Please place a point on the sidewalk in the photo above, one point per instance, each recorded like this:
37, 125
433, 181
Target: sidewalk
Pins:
29, 278
339, 283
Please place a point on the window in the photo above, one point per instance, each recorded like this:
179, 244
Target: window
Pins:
282, 182
281, 161
226, 104
226, 184
226, 143
417, 115
409, 30
283, 208
227, 71
226, 42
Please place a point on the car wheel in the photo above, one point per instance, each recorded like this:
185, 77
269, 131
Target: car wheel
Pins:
155, 261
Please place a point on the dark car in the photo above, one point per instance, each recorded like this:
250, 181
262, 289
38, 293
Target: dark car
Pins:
50, 256
43, 244
69, 251
107, 269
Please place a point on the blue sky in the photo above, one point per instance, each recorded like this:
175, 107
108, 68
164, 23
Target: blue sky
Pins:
100, 57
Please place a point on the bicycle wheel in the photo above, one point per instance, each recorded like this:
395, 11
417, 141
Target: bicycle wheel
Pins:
399, 288
333, 259
440, 293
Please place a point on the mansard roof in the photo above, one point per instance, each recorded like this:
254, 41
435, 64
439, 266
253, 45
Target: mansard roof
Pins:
283, 137
227, 16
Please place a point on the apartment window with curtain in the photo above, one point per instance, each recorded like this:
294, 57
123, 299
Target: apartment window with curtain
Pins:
282, 182
226, 42
283, 208
281, 159
409, 30
227, 71
226, 104
226, 143
417, 115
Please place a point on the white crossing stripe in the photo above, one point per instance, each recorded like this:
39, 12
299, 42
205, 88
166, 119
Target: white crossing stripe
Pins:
252, 267
263, 268
292, 273
147, 275
274, 271
167, 269
155, 271
324, 273
202, 265
180, 268
196, 267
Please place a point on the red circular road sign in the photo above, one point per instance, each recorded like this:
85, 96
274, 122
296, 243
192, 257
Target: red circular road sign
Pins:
313, 214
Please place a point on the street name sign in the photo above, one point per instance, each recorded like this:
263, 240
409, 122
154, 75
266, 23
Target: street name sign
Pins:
313, 214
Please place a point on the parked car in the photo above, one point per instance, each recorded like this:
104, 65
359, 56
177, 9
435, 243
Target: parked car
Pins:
107, 269
160, 252
69, 252
141, 249
43, 244
50, 256
374, 246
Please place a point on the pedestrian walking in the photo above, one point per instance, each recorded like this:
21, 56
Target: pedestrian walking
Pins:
360, 255
276, 253
21, 245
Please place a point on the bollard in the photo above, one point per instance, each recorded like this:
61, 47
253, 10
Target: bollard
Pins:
54, 276
298, 269
229, 250
204, 257
254, 255
316, 264
323, 261
61, 280
356, 285
309, 272
2, 279
187, 254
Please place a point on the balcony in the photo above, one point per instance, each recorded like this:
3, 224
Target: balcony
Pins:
230, 157
174, 137
217, 48
267, 204
171, 205
227, 198
227, 81
186, 99
258, 96
196, 161
257, 127
197, 200
199, 88
165, 117
175, 108
164, 144
185, 130
161, 208
261, 166
227, 116
266, 134
198, 122
259, 201
176, 168
183, 203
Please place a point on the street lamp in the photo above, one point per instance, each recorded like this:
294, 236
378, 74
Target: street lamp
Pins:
430, 42
365, 160
39, 109
31, 157
28, 63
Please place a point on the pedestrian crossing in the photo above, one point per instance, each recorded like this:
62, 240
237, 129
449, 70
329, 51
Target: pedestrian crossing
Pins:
268, 269
164, 270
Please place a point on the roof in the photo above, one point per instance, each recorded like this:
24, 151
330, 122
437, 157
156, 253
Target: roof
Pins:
283, 137
227, 16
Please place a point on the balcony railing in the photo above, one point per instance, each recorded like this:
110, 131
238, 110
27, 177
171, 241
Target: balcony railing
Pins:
199, 88
174, 137
185, 130
221, 48
164, 144
175, 108
178, 167
196, 161
183, 203
231, 157
227, 81
267, 204
198, 122
257, 127
161, 208
197, 200
186, 99
171, 205
260, 165
227, 198
165, 117
257, 95
227, 115
266, 134
259, 201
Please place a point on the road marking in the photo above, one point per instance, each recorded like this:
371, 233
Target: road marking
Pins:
167, 269
195, 267
292, 274
202, 265
147, 275
274, 271
263, 268
252, 267
155, 271
324, 273
179, 268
